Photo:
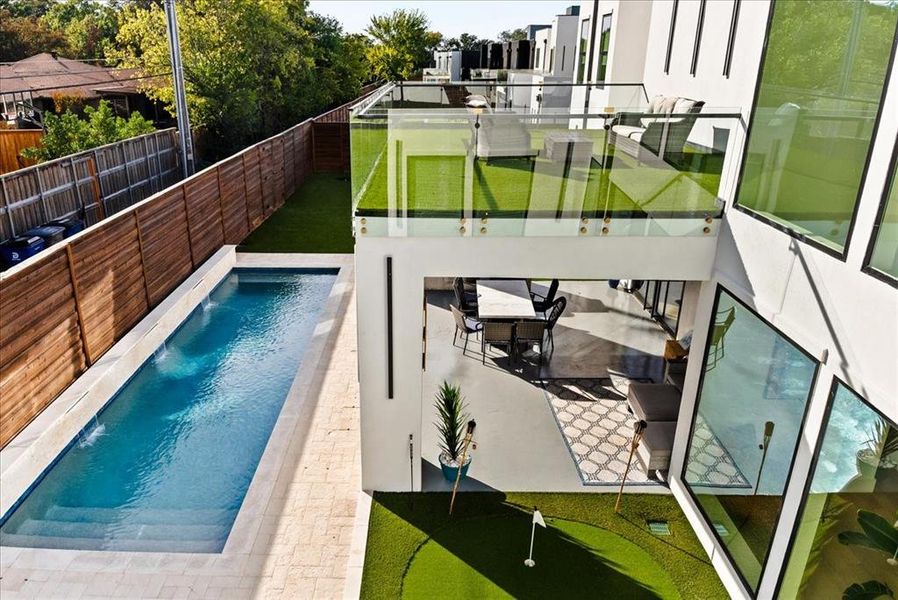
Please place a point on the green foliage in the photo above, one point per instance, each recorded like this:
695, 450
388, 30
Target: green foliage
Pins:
68, 134
89, 27
251, 67
512, 35
878, 533
870, 590
24, 36
402, 44
466, 41
452, 418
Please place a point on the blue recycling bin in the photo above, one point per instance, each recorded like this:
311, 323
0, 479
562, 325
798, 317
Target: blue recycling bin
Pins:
19, 248
70, 225
49, 233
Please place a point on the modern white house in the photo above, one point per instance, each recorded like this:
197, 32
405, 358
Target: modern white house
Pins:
719, 207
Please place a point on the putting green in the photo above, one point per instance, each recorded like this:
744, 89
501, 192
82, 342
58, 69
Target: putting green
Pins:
484, 558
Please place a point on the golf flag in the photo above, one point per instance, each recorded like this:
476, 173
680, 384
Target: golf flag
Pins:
538, 518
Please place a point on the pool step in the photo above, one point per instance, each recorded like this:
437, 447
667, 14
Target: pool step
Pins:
119, 531
73, 543
155, 516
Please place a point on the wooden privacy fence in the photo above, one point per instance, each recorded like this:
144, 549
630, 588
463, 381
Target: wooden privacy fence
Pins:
330, 136
12, 142
91, 185
63, 310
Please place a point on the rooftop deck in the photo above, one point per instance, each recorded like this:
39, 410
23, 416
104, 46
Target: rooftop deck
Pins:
519, 168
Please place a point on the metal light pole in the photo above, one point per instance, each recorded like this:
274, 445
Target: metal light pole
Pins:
174, 48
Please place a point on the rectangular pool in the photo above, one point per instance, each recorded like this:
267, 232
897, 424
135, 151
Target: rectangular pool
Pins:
167, 463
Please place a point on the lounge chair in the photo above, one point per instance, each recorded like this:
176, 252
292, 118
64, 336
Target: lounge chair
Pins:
661, 131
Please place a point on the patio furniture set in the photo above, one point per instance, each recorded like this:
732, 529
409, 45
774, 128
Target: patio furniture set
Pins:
506, 313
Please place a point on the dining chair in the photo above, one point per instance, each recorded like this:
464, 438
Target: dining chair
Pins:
554, 314
497, 333
542, 303
467, 301
530, 333
465, 325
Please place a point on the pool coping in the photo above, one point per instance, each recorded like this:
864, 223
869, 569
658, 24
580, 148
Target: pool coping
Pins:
35, 448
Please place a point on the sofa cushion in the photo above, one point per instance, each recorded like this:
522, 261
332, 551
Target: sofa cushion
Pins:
657, 444
660, 105
654, 401
683, 105
654, 104
629, 131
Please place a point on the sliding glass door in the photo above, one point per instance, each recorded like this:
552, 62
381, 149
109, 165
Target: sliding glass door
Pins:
752, 399
663, 300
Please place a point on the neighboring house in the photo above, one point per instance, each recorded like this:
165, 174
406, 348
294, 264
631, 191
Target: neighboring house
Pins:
742, 185
33, 85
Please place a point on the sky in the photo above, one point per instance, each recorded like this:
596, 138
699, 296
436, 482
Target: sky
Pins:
483, 18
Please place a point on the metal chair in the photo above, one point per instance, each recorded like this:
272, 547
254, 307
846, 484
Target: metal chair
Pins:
464, 324
543, 303
722, 322
497, 333
530, 333
467, 301
554, 314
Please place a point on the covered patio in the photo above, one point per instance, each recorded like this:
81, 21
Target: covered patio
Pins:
563, 425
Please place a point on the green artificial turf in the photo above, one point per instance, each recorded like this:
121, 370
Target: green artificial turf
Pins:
415, 550
435, 179
317, 218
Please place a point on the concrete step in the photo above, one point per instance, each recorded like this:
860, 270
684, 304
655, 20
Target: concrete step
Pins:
73, 543
155, 516
122, 531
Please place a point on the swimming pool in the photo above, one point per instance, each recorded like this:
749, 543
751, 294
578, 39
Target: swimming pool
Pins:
165, 466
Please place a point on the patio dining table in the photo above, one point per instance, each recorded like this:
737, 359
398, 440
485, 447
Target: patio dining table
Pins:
504, 299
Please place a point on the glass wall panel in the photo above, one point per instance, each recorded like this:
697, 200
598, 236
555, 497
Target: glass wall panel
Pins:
811, 127
847, 534
884, 257
751, 403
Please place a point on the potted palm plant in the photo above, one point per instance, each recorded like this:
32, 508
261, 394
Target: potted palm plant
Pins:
879, 450
451, 422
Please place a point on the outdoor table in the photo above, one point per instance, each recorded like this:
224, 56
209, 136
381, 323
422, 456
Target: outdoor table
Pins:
504, 299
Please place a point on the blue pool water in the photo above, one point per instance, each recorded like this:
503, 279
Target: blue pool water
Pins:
166, 465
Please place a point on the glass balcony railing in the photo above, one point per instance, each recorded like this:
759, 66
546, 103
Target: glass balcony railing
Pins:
493, 159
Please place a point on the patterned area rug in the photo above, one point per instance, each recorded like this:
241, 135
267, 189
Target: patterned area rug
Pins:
593, 417
709, 464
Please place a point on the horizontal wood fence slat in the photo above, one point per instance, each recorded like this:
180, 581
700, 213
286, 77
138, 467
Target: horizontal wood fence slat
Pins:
61, 310
90, 185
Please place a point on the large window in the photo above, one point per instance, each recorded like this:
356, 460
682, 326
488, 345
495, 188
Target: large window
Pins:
582, 75
670, 35
883, 256
751, 404
699, 27
604, 45
846, 533
815, 115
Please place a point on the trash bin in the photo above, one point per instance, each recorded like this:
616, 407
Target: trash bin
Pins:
19, 248
71, 225
49, 233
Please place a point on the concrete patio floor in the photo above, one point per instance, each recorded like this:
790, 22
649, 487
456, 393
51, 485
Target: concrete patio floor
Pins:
603, 333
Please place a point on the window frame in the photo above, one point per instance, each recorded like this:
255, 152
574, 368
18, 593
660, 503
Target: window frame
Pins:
818, 446
843, 255
752, 592
731, 39
670, 35
583, 51
891, 176
600, 81
699, 28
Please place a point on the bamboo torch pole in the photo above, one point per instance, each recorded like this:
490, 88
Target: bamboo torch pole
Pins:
469, 435
638, 429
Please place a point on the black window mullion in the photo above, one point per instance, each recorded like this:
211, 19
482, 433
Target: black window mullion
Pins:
670, 36
731, 41
700, 25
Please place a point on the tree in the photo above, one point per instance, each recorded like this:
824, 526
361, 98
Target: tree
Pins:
89, 27
512, 35
466, 41
24, 36
402, 44
251, 67
67, 134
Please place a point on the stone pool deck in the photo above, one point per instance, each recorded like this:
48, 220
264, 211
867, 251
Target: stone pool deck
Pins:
304, 540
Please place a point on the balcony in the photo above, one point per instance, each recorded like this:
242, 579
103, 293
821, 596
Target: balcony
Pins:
426, 162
